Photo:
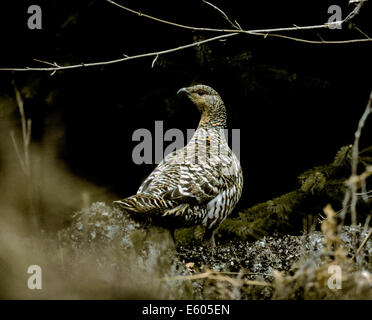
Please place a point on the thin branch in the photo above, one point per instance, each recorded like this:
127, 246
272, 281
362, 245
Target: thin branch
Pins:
355, 157
368, 219
363, 33
362, 244
207, 275
247, 273
294, 28
18, 153
236, 26
313, 41
162, 52
150, 54
320, 37
272, 32
364, 195
356, 10
46, 62
26, 133
213, 275
154, 61
253, 32
354, 181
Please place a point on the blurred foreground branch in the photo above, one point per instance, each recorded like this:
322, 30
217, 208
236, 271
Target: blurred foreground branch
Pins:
356, 181
26, 135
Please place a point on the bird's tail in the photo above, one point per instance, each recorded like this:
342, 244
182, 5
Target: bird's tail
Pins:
128, 204
140, 203
146, 208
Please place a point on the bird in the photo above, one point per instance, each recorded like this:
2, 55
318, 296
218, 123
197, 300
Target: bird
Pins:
199, 184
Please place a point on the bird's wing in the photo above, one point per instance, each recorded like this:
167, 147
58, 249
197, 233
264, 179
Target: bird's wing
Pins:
170, 189
184, 182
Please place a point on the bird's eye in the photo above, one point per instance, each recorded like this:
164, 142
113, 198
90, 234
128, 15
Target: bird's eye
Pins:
201, 93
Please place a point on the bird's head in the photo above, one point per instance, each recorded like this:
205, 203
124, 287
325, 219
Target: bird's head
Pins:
209, 103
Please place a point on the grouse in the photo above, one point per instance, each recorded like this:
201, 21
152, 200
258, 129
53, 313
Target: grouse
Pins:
198, 184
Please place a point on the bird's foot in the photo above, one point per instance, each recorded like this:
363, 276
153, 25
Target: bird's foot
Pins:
209, 240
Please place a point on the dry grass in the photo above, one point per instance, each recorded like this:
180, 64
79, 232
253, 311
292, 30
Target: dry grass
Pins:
311, 281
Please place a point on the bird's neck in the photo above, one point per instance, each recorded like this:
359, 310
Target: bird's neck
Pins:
209, 123
207, 130
211, 120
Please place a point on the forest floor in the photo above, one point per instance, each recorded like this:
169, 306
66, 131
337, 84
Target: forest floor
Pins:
145, 263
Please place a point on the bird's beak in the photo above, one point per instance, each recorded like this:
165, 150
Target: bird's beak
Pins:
183, 90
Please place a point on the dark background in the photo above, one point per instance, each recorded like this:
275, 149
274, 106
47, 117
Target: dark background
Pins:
296, 104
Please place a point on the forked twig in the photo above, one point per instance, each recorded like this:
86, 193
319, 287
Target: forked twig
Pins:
236, 26
362, 245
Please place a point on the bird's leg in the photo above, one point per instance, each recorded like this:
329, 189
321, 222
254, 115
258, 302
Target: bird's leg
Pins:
172, 231
209, 238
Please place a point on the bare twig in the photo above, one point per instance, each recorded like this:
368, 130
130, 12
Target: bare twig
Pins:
207, 275
354, 179
272, 32
154, 61
26, 135
362, 32
234, 25
125, 58
24, 158
364, 195
246, 273
239, 30
18, 153
54, 64
355, 12
163, 52
258, 32
362, 244
368, 219
214, 275
313, 41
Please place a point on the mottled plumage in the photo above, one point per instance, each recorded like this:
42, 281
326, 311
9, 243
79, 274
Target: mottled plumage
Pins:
198, 184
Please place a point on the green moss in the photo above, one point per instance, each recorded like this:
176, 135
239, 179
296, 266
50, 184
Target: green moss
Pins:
264, 218
285, 214
189, 235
